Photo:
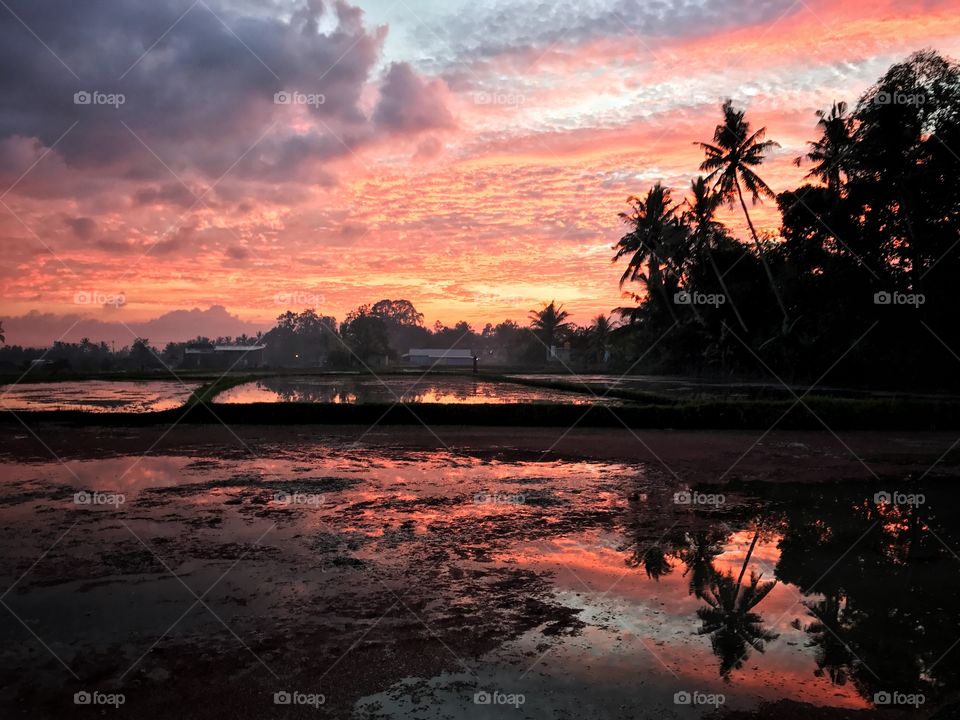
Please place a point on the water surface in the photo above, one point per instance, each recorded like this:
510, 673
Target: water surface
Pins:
403, 584
97, 395
393, 388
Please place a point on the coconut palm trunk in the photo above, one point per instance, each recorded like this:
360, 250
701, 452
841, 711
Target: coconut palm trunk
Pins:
746, 560
726, 291
763, 259
656, 279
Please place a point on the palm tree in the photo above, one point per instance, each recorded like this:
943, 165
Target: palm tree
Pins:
730, 160
141, 352
550, 323
705, 230
651, 242
830, 151
599, 337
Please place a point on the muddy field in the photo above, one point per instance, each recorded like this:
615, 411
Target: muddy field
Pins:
401, 573
97, 396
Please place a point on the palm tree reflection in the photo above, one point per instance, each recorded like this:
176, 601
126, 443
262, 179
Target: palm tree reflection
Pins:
826, 635
729, 619
702, 548
729, 615
878, 581
654, 561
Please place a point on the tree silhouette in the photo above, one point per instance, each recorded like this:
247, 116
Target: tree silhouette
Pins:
550, 324
599, 338
653, 240
831, 153
730, 160
705, 231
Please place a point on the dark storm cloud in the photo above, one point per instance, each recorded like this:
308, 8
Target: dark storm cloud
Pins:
198, 84
410, 105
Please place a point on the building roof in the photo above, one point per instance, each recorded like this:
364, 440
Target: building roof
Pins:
439, 353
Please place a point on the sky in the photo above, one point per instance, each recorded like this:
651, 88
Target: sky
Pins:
186, 167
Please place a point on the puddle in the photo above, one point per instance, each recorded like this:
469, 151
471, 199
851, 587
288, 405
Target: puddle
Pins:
405, 584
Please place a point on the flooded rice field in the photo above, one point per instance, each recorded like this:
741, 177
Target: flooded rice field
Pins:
326, 578
679, 387
413, 388
97, 395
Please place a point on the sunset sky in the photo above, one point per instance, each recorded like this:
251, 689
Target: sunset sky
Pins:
468, 156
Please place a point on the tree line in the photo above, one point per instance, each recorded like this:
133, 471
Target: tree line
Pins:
857, 286
369, 336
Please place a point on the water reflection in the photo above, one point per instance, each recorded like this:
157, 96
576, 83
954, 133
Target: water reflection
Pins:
815, 594
872, 586
388, 389
729, 619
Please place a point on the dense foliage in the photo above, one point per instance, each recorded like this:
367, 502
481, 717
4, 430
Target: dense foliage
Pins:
858, 287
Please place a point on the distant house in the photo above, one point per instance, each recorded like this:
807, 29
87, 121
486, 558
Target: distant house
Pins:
438, 357
559, 354
223, 357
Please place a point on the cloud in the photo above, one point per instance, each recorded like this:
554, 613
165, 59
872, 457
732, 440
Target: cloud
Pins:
429, 148
408, 104
198, 83
168, 194
237, 252
481, 31
36, 329
82, 227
